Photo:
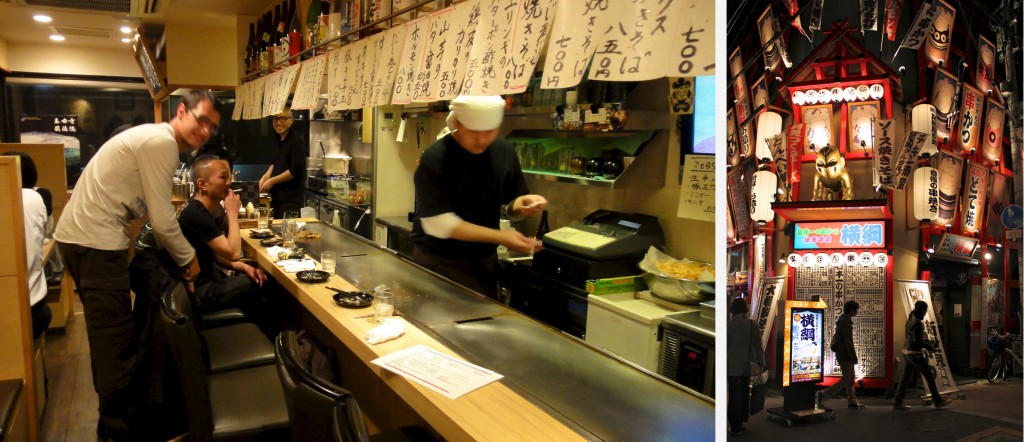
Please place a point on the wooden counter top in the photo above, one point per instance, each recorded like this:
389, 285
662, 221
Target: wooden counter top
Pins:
493, 412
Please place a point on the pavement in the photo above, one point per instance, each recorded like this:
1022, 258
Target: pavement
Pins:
985, 412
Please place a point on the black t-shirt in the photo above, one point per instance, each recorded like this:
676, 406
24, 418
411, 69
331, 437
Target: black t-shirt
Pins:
199, 227
474, 187
291, 155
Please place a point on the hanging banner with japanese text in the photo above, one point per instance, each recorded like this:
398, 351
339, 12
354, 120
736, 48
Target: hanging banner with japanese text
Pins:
892, 18
950, 167
992, 132
885, 133
732, 139
777, 145
910, 292
906, 158
940, 33
412, 52
794, 11
868, 15
746, 139
970, 118
490, 44
814, 23
943, 98
985, 69
795, 146
572, 44
633, 42
920, 28
736, 71
387, 65
803, 343
766, 30
738, 201
311, 77
522, 51
973, 198
426, 80
999, 198
464, 19
240, 94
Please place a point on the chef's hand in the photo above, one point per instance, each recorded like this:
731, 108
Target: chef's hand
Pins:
518, 242
529, 205
265, 185
232, 203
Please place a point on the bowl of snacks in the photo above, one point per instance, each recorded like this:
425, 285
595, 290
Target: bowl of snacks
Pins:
678, 280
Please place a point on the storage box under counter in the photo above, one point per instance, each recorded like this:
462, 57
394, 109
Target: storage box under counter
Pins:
627, 324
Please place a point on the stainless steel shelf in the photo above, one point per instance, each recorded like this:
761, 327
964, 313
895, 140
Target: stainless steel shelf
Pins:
567, 178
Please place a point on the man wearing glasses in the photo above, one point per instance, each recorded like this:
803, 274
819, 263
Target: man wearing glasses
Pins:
128, 178
285, 177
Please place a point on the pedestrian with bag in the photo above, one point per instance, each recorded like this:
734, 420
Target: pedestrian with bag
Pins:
745, 359
846, 356
914, 348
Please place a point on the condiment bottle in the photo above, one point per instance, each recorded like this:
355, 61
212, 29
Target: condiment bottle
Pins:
249, 210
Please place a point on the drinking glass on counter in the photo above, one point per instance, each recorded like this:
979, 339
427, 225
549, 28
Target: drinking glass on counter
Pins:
289, 228
383, 306
327, 261
262, 217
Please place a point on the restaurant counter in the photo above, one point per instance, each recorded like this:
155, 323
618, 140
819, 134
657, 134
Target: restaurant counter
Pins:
598, 396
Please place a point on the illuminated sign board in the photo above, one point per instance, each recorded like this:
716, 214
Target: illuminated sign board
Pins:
839, 235
802, 352
957, 246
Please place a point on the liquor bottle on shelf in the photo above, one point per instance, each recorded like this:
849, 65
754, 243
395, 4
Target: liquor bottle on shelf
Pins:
265, 44
334, 25
378, 9
282, 45
274, 45
247, 61
325, 23
294, 33
313, 26
543, 228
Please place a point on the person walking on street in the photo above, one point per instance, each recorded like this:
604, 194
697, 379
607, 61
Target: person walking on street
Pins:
916, 362
846, 356
743, 347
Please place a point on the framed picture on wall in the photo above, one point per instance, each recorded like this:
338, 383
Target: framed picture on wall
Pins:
860, 120
817, 121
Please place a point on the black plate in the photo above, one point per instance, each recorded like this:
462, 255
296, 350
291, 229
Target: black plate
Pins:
270, 242
313, 276
353, 299
255, 234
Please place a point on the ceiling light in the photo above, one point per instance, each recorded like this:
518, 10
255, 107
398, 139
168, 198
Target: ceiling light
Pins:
57, 37
126, 40
931, 250
42, 18
126, 30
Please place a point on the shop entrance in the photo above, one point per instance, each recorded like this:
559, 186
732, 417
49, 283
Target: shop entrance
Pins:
952, 300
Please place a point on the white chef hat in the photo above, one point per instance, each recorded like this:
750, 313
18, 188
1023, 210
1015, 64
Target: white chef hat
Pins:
477, 113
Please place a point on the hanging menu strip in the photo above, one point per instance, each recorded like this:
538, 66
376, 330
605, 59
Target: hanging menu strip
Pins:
310, 78
531, 31
387, 65
490, 45
694, 48
633, 42
374, 46
424, 86
465, 18
282, 87
236, 113
412, 50
335, 74
351, 91
571, 44
266, 90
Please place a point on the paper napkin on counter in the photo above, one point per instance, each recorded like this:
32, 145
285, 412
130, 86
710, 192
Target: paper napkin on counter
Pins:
390, 329
297, 265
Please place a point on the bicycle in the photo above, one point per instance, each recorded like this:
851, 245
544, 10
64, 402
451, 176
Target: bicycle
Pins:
1006, 355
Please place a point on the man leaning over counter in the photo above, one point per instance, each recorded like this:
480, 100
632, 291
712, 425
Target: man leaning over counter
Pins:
129, 177
465, 182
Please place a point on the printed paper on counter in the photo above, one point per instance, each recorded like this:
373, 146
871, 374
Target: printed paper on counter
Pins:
437, 371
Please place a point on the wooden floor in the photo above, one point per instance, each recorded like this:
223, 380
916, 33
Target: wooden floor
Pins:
71, 407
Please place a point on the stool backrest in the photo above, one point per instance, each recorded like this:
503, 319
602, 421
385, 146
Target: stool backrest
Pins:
311, 401
187, 349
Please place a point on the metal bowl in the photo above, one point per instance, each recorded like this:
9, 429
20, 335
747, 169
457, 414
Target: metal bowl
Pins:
687, 291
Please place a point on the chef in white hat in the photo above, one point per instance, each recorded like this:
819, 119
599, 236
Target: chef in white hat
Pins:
466, 181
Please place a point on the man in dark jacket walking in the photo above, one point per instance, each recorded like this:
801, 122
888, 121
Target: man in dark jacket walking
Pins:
846, 356
913, 354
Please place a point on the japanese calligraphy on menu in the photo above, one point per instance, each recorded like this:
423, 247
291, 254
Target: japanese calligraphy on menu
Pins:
697, 195
633, 42
490, 45
236, 114
254, 101
267, 91
387, 65
412, 50
529, 35
280, 86
973, 198
572, 43
374, 49
310, 78
338, 64
458, 43
695, 39
425, 84
356, 92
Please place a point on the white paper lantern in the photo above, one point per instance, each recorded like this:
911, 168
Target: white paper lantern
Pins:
881, 259
922, 119
850, 93
825, 96
835, 259
808, 260
862, 92
798, 98
821, 259
926, 193
876, 91
794, 260
866, 258
837, 94
769, 124
850, 258
811, 97
763, 186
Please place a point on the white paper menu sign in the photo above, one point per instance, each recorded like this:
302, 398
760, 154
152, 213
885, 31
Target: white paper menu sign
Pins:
412, 51
571, 44
236, 113
531, 32
490, 45
694, 48
254, 102
424, 86
338, 63
310, 79
374, 46
633, 41
465, 20
437, 371
282, 87
697, 194
267, 89
353, 98
387, 65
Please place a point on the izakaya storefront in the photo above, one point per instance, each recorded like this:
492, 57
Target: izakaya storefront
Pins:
853, 177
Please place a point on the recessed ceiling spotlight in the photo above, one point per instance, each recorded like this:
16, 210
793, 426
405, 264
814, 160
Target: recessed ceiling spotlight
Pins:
126, 30
57, 37
126, 40
42, 18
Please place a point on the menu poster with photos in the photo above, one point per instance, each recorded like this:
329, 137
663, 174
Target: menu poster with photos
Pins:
311, 77
695, 40
633, 42
697, 194
910, 291
572, 44
530, 32
802, 350
412, 50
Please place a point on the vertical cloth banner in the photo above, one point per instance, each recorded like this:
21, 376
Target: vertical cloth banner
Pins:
777, 146
991, 306
868, 15
764, 305
992, 132
940, 33
970, 118
918, 31
885, 133
738, 201
906, 158
950, 170
814, 23
766, 30
910, 292
794, 146
892, 18
794, 11
944, 99
985, 69
973, 198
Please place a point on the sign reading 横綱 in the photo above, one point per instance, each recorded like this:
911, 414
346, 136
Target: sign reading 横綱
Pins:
892, 18
868, 15
633, 42
839, 235
911, 292
970, 118
973, 198
885, 131
940, 33
906, 158
795, 146
572, 43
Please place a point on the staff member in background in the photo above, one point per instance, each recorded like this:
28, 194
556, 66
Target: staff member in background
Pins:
129, 177
284, 178
465, 181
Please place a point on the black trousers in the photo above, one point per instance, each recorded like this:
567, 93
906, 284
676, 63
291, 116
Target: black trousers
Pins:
103, 285
916, 363
739, 401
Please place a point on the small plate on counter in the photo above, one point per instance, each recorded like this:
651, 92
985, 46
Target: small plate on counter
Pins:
261, 234
352, 299
313, 276
270, 242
